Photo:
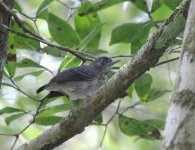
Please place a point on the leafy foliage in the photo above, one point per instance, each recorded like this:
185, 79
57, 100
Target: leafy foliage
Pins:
148, 129
90, 28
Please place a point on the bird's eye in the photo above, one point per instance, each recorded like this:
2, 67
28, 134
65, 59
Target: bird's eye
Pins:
103, 61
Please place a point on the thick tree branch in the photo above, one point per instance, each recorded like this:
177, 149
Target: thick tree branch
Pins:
179, 128
4, 19
146, 58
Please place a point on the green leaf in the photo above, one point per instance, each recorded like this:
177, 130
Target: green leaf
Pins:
129, 32
95, 51
62, 32
142, 86
156, 93
69, 62
162, 13
54, 52
54, 109
172, 3
44, 5
44, 14
93, 34
49, 120
155, 5
99, 118
17, 6
88, 27
35, 73
87, 7
28, 63
11, 68
140, 37
141, 4
22, 42
10, 110
130, 91
6, 84
11, 118
148, 129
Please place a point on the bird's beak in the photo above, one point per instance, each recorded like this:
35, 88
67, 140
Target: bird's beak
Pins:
114, 62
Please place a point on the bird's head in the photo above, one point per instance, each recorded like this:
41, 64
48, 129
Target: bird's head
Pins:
103, 64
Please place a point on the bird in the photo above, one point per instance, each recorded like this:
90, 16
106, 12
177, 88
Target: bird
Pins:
79, 82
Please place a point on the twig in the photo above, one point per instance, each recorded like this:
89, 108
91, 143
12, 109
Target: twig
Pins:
28, 17
108, 122
123, 56
33, 120
167, 61
66, 5
18, 88
130, 107
15, 141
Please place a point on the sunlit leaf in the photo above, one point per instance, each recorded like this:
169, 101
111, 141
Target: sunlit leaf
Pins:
49, 120
62, 32
11, 118
172, 3
148, 129
142, 86
155, 5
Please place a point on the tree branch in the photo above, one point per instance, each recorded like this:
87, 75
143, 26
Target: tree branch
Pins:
4, 19
146, 58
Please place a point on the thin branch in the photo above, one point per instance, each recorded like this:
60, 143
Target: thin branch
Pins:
117, 56
130, 107
31, 122
19, 89
80, 55
15, 141
166, 61
64, 4
108, 122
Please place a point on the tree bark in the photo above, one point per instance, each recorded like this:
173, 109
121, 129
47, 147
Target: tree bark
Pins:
146, 58
5, 19
180, 130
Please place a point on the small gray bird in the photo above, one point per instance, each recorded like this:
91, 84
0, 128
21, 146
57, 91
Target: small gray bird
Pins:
79, 82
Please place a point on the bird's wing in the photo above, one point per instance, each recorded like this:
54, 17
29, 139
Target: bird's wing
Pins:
81, 73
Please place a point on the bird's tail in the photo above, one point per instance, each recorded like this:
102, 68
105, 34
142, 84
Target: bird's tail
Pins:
41, 88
